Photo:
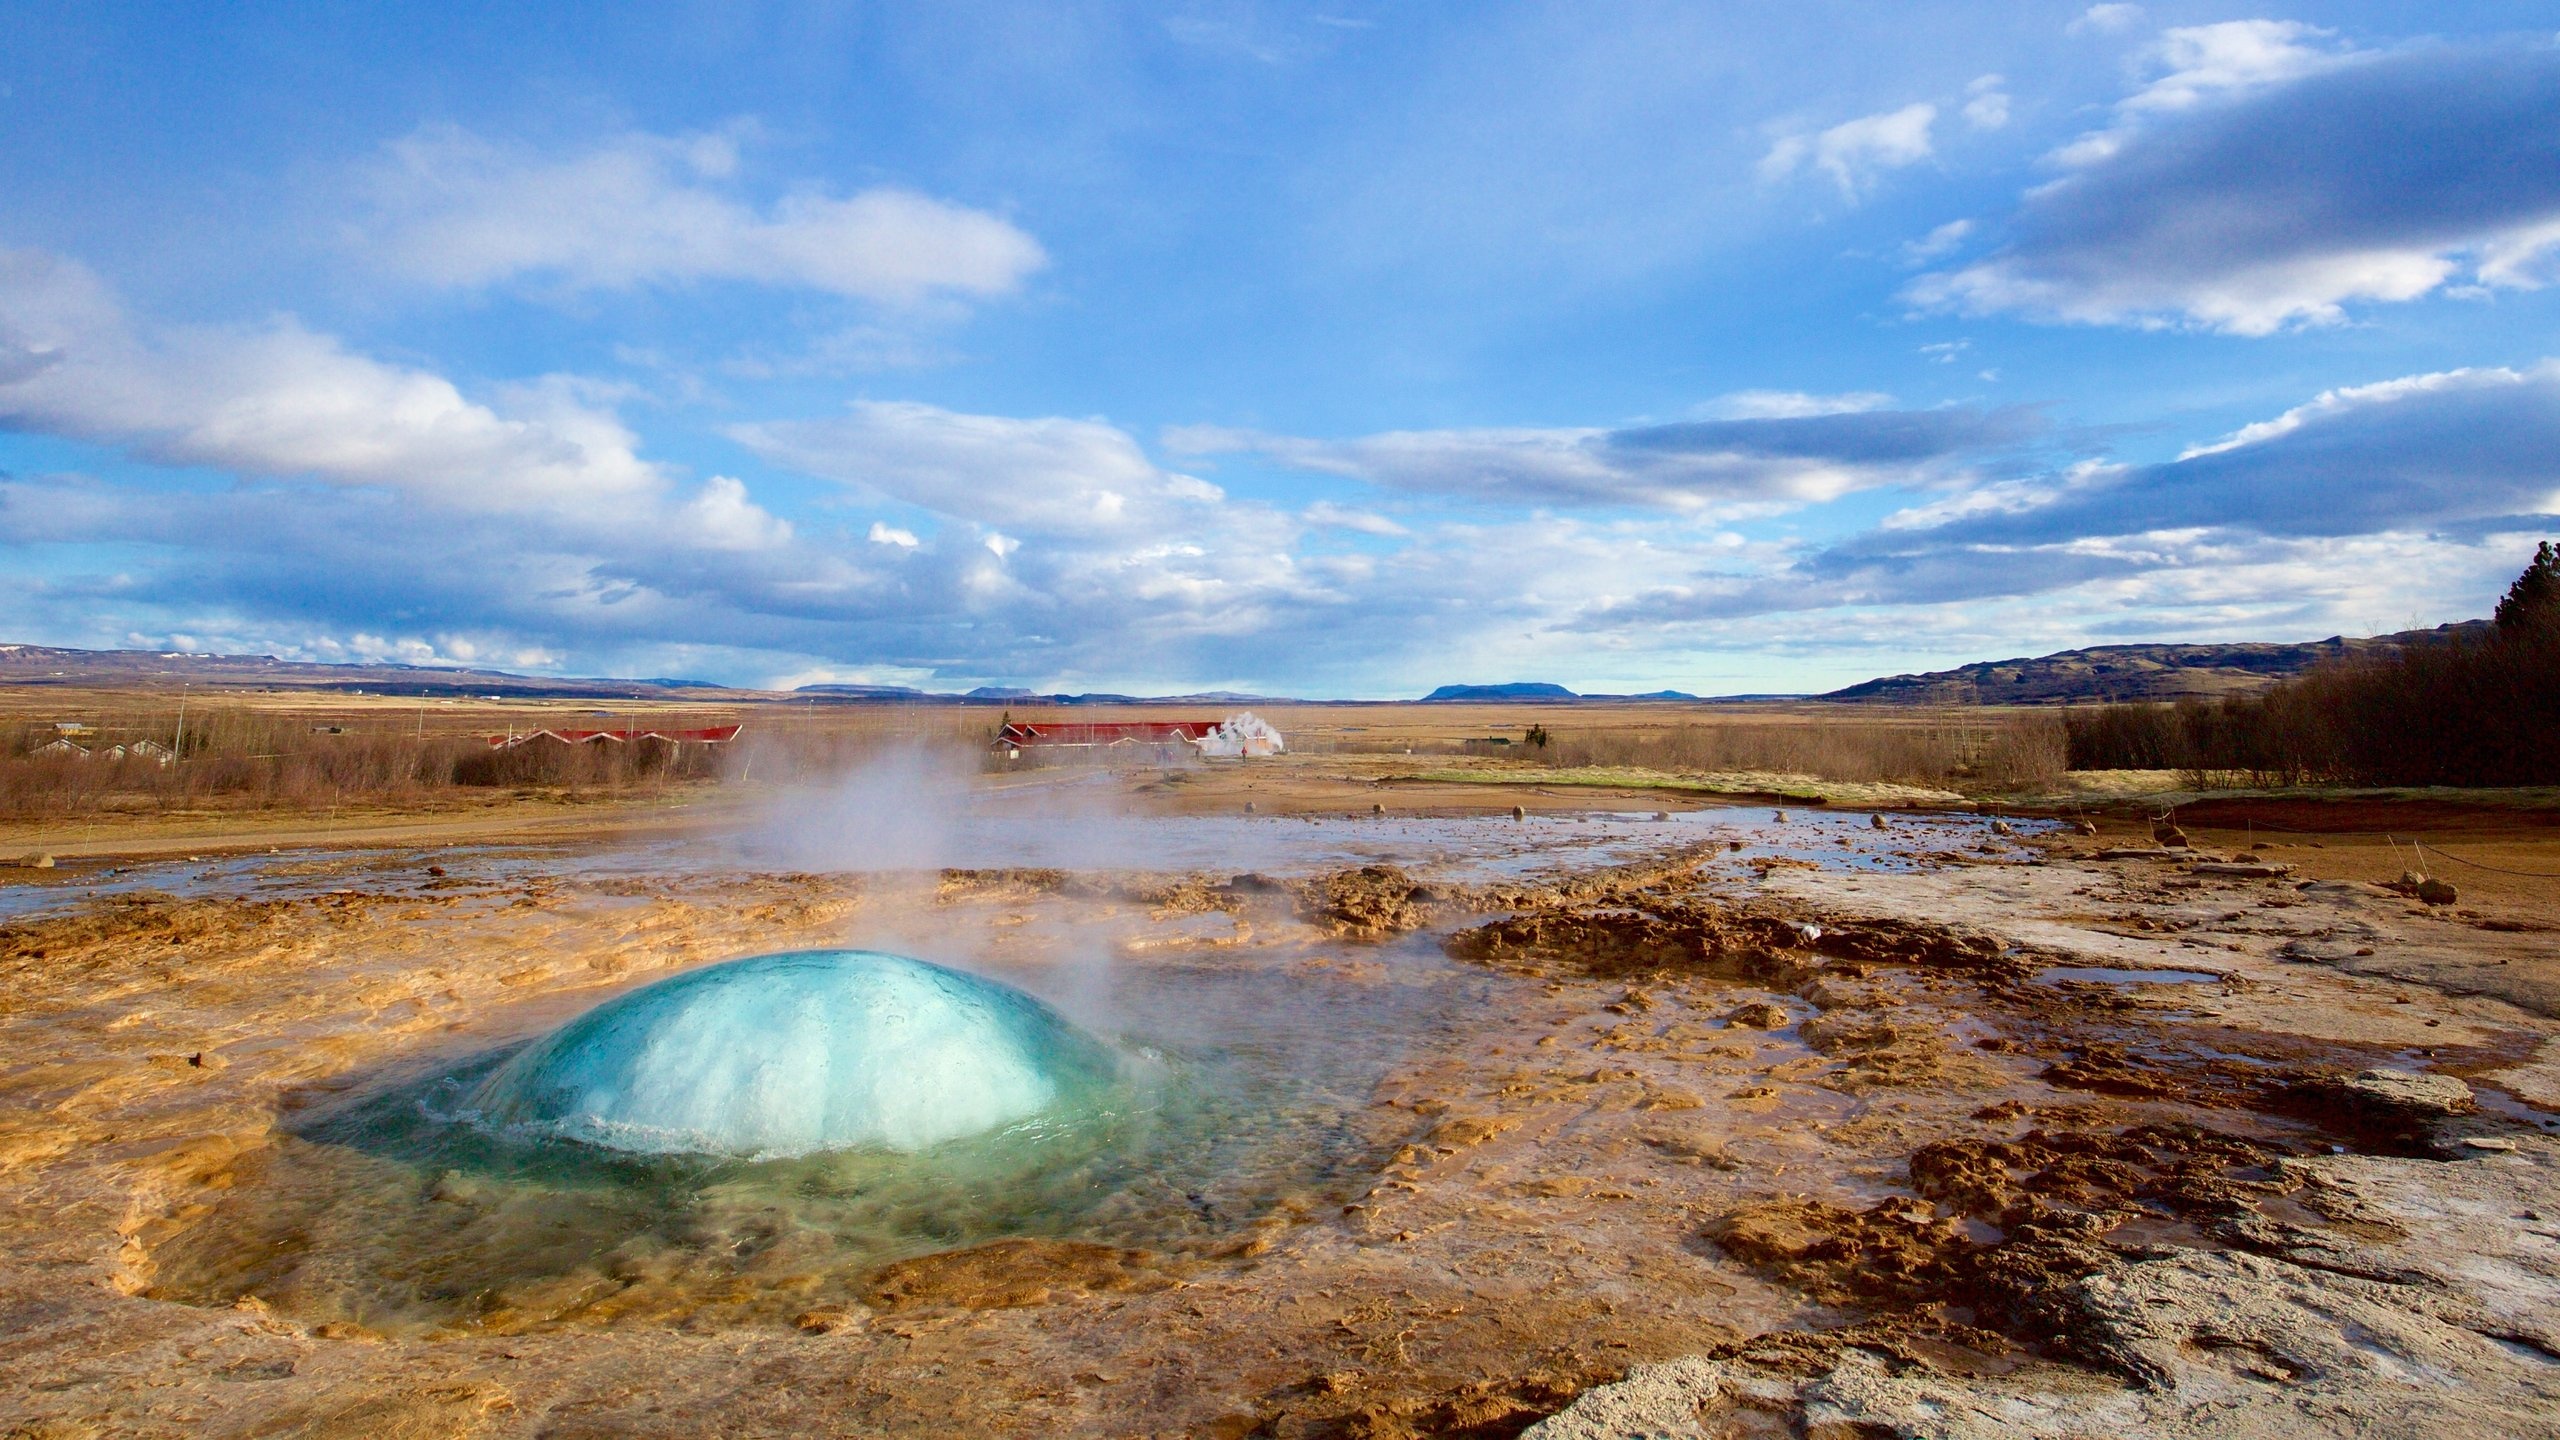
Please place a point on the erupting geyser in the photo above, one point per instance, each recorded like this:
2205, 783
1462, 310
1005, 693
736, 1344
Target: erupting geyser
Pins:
794, 1054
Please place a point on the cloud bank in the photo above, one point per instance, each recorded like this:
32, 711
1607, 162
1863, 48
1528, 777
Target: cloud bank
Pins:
2268, 181
1704, 466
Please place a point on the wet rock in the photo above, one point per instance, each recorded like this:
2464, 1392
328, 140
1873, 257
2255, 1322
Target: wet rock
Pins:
2241, 870
828, 1320
2394, 1313
1760, 1016
1012, 1274
1878, 821
2394, 1095
1371, 902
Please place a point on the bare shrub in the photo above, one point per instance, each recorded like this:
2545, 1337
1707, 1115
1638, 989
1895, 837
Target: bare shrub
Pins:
2461, 711
1971, 749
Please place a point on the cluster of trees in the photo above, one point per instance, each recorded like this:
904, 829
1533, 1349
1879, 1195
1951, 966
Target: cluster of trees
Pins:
2479, 710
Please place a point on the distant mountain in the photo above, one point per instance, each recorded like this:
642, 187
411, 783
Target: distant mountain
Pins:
869, 692
2130, 672
46, 665
1010, 695
1516, 690
1538, 691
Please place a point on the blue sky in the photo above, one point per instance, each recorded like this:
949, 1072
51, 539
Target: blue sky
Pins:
1338, 349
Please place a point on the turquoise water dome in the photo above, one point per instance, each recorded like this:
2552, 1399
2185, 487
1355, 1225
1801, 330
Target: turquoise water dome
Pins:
794, 1054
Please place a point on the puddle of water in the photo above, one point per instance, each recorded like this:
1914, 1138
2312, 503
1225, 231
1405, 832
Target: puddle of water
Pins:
2110, 975
1004, 830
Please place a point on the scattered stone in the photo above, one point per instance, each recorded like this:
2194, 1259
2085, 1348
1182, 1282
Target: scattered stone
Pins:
2425, 889
2003, 827
2166, 832
1248, 807
1761, 1015
42, 862
1778, 817
2241, 870
1375, 808
1878, 821
1519, 813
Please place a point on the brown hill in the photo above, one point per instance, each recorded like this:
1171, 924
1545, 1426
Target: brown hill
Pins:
2130, 672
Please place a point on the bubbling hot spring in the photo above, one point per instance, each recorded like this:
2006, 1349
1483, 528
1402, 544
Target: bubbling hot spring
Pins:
738, 1143
797, 1054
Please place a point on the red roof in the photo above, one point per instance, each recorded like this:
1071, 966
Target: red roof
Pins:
705, 735
1018, 735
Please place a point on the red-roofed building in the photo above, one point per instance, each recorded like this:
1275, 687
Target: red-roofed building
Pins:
704, 735
1022, 735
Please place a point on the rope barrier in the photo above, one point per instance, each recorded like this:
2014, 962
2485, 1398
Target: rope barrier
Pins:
2492, 869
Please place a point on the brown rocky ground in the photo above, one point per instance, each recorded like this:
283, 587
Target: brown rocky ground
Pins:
1791, 1149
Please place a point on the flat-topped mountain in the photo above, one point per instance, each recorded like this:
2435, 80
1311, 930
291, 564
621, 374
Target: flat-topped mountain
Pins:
1538, 690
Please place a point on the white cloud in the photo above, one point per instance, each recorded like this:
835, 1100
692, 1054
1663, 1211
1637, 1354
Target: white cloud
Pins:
1327, 515
2113, 19
452, 208
1938, 243
2347, 398
280, 400
1986, 105
1041, 477
2208, 61
884, 534
2249, 300
1792, 404
721, 517
1854, 152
